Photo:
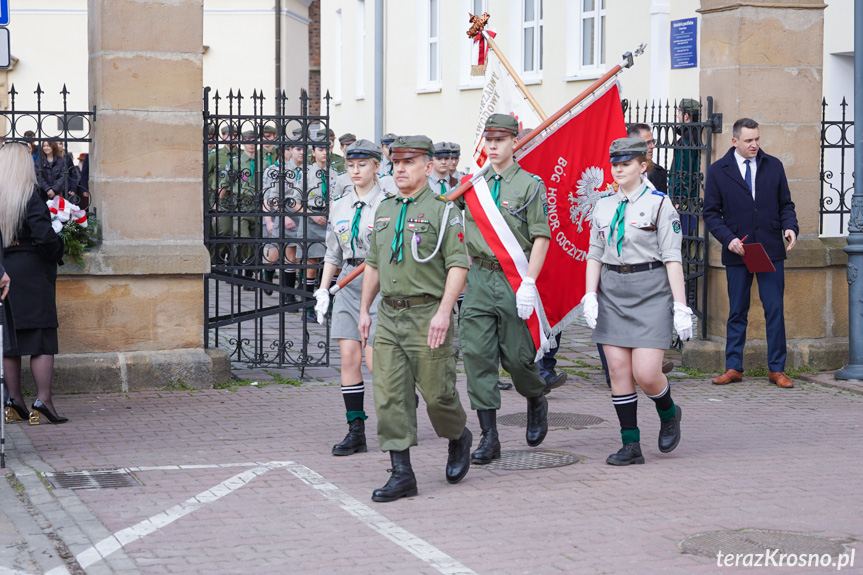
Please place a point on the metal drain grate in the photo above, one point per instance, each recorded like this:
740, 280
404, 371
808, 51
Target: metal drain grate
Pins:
97, 479
519, 460
747, 541
570, 420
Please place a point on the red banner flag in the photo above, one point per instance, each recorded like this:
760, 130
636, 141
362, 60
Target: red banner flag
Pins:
573, 163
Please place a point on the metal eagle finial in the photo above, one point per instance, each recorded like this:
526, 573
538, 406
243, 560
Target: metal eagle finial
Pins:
477, 24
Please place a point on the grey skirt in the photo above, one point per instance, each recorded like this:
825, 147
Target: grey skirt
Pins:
346, 310
635, 310
274, 235
317, 235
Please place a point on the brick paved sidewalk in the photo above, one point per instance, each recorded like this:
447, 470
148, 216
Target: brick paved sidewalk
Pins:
752, 456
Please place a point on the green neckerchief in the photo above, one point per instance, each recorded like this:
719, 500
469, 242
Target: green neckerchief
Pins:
442, 187
399, 238
495, 189
619, 220
355, 224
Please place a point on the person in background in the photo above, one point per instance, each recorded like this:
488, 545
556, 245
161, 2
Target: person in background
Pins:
51, 171
455, 155
83, 190
657, 175
30, 136
386, 168
337, 162
32, 252
440, 180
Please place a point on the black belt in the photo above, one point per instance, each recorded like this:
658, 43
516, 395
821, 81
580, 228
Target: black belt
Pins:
406, 302
635, 268
489, 265
355, 261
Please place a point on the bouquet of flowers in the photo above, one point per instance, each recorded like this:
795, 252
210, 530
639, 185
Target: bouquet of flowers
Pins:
71, 224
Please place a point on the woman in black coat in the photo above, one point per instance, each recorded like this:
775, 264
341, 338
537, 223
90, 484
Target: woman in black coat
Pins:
51, 170
32, 252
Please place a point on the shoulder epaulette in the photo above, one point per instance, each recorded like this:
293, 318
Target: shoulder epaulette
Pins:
658, 193
537, 178
442, 199
388, 197
340, 196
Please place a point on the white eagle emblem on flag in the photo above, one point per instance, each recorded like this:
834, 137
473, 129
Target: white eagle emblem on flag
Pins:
589, 192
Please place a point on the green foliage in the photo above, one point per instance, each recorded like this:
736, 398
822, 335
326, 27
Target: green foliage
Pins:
579, 373
178, 385
13, 481
692, 372
78, 238
279, 378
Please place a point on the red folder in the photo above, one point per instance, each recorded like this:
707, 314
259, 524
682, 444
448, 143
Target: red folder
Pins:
756, 259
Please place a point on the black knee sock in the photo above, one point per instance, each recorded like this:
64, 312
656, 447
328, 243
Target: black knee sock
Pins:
626, 407
354, 399
664, 404
290, 279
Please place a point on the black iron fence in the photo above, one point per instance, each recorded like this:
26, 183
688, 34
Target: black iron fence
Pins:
682, 133
49, 133
265, 210
837, 177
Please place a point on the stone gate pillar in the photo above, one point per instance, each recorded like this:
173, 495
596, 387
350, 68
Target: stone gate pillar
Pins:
763, 60
133, 316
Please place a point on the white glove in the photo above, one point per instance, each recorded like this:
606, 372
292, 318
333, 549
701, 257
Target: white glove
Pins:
590, 309
682, 321
323, 304
525, 297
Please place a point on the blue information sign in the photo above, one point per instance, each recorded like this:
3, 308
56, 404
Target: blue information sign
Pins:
4, 12
684, 43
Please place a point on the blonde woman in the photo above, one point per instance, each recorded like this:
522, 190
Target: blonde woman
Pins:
32, 251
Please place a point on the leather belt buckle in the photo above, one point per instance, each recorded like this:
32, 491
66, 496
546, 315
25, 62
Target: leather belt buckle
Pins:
400, 303
495, 266
625, 269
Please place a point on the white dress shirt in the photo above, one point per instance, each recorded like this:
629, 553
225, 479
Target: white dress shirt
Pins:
740, 164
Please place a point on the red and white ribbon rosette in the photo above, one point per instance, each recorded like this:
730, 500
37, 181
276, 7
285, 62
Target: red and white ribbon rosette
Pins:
62, 211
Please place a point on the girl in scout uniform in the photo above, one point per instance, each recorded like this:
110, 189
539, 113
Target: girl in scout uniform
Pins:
352, 216
634, 293
283, 199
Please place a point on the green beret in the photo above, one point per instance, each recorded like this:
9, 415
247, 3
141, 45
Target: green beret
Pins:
363, 149
499, 125
625, 149
347, 137
269, 129
405, 147
388, 139
689, 106
249, 134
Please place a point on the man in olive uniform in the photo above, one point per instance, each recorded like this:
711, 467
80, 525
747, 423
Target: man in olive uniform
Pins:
239, 193
440, 180
337, 162
493, 315
419, 280
269, 156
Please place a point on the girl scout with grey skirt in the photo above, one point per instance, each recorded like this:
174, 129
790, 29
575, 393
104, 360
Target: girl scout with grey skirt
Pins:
634, 293
349, 232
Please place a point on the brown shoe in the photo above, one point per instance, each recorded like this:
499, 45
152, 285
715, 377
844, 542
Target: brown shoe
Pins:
730, 376
667, 365
780, 379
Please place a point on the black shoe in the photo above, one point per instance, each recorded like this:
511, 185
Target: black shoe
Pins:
354, 441
268, 277
458, 460
40, 408
402, 482
537, 420
629, 454
503, 385
669, 432
15, 411
489, 444
553, 381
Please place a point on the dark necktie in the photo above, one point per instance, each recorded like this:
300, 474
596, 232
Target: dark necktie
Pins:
495, 190
399, 238
355, 224
618, 221
748, 177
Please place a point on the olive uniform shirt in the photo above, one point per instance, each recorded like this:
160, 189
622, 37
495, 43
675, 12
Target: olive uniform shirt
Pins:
523, 206
409, 278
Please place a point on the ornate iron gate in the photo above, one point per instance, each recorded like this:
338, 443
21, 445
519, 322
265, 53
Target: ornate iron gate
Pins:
837, 176
683, 148
259, 289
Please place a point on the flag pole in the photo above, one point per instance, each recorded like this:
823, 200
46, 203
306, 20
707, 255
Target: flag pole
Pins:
493, 45
627, 62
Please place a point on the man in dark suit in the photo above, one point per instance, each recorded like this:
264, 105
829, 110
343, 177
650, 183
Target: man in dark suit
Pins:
746, 196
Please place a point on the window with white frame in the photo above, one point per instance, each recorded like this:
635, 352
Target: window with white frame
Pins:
592, 33
360, 55
469, 50
337, 68
429, 45
531, 37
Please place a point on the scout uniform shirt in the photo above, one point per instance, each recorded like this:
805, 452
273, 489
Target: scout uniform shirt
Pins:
408, 278
442, 186
650, 227
523, 206
349, 236
239, 180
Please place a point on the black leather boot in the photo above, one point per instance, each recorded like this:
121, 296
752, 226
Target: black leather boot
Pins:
354, 441
537, 420
629, 454
669, 432
489, 444
402, 482
458, 460
268, 277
